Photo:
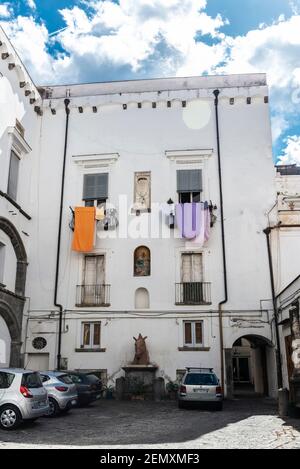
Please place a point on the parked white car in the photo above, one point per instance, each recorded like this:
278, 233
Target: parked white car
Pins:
62, 392
22, 397
200, 385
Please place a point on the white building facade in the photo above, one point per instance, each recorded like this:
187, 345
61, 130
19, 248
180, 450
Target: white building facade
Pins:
19, 135
130, 140
285, 245
130, 151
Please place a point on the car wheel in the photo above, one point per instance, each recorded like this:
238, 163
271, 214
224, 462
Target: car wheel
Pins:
54, 409
10, 417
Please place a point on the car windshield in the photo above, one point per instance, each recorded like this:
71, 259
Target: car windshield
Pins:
92, 378
65, 379
6, 379
32, 380
201, 379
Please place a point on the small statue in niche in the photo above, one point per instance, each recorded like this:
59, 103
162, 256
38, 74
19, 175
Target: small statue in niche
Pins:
141, 353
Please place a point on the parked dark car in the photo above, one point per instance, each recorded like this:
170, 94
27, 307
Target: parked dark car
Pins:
88, 385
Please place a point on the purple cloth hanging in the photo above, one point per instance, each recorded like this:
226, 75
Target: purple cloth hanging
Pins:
207, 225
188, 219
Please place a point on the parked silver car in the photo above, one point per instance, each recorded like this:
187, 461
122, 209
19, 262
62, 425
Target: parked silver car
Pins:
62, 393
22, 397
200, 385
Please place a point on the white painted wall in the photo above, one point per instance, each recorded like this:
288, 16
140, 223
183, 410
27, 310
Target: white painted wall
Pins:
141, 138
17, 106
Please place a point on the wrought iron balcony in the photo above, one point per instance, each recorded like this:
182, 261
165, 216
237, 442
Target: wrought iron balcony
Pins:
93, 295
193, 293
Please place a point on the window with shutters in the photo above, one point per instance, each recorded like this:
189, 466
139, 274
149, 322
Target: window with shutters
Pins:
13, 177
189, 185
93, 288
91, 335
95, 189
191, 286
191, 267
193, 333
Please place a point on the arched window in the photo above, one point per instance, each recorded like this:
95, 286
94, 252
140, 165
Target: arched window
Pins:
142, 262
141, 300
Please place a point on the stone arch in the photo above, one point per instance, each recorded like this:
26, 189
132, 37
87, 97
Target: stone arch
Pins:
141, 299
14, 328
250, 366
10, 230
11, 321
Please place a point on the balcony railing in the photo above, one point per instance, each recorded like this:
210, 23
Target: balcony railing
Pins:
193, 293
93, 295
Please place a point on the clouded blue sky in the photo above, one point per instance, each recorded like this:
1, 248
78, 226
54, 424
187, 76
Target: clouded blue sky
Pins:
71, 41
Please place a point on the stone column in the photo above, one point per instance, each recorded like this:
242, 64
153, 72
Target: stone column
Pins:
16, 360
21, 278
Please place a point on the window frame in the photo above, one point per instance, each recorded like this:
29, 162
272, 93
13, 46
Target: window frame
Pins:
13, 152
191, 196
193, 343
192, 254
2, 261
91, 344
96, 201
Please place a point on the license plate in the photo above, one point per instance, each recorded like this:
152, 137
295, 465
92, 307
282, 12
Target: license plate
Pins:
201, 390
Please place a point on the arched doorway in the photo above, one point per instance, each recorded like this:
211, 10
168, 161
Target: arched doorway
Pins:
251, 367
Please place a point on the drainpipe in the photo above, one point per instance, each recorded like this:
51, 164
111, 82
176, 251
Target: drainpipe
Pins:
58, 305
216, 93
267, 232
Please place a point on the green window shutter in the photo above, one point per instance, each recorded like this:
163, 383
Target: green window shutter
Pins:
189, 180
95, 186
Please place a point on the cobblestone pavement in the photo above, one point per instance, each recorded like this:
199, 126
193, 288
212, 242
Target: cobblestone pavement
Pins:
243, 423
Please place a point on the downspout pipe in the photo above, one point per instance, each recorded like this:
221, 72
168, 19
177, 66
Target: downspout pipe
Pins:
216, 93
267, 232
56, 304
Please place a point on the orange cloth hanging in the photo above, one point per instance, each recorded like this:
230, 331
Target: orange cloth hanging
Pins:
83, 240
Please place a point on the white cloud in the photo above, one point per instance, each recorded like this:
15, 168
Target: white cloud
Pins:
130, 32
30, 39
140, 38
5, 11
291, 153
31, 4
